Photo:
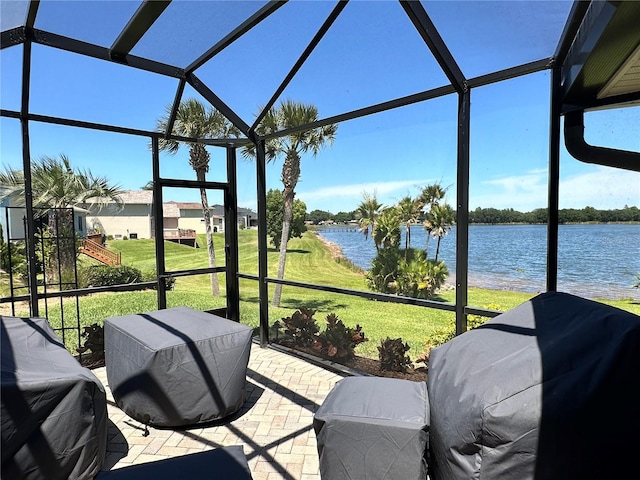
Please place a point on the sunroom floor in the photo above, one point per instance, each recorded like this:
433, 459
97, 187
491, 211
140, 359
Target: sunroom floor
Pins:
274, 426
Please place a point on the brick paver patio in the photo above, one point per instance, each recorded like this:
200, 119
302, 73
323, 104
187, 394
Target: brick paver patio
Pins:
274, 426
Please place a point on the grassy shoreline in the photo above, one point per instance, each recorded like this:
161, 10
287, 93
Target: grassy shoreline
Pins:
308, 260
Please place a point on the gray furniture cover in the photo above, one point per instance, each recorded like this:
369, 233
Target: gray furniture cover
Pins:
54, 411
373, 428
177, 366
548, 390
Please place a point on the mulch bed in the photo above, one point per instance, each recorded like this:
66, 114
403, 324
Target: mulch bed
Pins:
367, 365
372, 367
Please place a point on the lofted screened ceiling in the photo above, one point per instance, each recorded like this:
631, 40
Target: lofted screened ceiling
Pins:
243, 54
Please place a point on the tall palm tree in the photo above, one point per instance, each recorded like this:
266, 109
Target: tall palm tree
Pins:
429, 197
194, 120
55, 185
367, 213
290, 114
440, 220
409, 212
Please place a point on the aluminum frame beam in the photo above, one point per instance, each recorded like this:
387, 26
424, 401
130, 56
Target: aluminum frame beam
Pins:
218, 104
158, 224
429, 33
236, 33
506, 74
462, 211
263, 271
145, 16
26, 169
554, 179
102, 53
219, 142
174, 108
324, 28
231, 238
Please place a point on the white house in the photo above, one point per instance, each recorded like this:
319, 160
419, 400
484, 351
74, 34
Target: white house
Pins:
135, 218
190, 216
13, 220
132, 220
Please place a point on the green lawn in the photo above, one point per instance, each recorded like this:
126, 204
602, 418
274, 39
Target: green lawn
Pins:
307, 260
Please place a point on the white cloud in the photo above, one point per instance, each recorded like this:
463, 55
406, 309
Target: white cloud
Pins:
356, 189
602, 188
347, 197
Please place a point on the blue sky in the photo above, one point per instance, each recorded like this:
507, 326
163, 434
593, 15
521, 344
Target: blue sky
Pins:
371, 54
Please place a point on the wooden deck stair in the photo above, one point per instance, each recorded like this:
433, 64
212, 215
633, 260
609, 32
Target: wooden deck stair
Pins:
99, 253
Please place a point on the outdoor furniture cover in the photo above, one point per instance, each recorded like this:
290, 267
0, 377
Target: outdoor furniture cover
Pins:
177, 366
224, 463
54, 411
373, 428
548, 390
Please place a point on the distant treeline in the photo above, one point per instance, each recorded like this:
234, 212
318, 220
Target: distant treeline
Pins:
509, 215
565, 215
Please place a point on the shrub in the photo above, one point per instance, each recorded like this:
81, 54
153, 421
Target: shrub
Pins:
420, 277
382, 275
151, 276
406, 272
337, 341
105, 275
93, 336
17, 261
301, 327
391, 354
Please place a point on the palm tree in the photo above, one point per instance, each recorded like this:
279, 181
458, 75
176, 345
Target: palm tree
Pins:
290, 114
56, 185
440, 219
367, 213
386, 233
429, 197
194, 120
409, 211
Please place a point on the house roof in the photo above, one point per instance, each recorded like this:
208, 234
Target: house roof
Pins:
132, 197
190, 206
170, 210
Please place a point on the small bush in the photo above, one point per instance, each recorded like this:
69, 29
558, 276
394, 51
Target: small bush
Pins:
151, 276
337, 341
391, 354
301, 327
104, 275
